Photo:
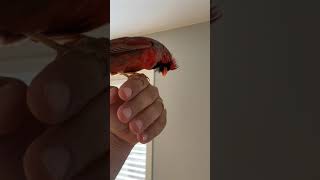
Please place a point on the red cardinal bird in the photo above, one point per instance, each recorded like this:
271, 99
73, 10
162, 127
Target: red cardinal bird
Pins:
50, 17
132, 54
127, 55
69, 18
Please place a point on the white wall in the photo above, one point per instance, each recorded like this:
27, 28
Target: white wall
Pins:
134, 18
182, 152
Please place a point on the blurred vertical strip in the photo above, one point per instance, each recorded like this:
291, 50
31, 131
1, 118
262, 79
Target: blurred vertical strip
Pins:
215, 13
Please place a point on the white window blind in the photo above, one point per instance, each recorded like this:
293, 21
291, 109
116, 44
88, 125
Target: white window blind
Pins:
138, 164
135, 167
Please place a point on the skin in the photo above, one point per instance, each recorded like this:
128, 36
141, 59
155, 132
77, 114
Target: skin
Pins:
57, 128
147, 120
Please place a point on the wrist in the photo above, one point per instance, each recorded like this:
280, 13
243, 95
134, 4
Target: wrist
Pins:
119, 143
119, 152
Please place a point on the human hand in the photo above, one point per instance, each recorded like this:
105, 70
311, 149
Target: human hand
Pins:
18, 128
58, 127
70, 96
137, 112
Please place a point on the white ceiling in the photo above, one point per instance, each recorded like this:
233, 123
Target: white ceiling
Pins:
138, 17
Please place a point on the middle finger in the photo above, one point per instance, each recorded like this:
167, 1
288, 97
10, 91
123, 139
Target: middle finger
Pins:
64, 151
133, 87
66, 85
144, 119
131, 108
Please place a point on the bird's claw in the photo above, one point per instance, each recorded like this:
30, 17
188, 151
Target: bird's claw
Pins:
135, 75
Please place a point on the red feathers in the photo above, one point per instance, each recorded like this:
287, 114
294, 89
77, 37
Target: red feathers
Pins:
70, 18
132, 54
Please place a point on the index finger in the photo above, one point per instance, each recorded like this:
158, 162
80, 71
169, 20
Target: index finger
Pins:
132, 87
68, 84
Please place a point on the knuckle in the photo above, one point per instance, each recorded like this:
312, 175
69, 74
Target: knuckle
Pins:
154, 112
150, 115
137, 105
150, 111
159, 105
140, 80
132, 83
154, 92
163, 122
145, 79
144, 116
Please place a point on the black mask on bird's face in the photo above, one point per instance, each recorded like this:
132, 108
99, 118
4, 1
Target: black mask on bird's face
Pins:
167, 63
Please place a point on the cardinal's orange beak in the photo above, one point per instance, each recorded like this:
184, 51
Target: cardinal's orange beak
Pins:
164, 72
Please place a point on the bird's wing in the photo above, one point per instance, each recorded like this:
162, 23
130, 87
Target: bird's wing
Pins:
127, 44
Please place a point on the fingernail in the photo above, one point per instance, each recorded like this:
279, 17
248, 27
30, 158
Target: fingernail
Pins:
127, 113
58, 96
127, 92
57, 161
138, 126
144, 138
